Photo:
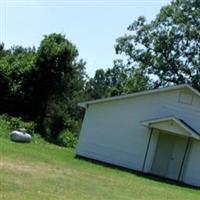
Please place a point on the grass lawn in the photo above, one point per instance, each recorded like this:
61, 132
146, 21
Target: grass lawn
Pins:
44, 171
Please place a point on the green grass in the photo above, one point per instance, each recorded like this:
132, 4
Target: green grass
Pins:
44, 171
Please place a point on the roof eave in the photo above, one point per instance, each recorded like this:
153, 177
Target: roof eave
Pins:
84, 104
191, 133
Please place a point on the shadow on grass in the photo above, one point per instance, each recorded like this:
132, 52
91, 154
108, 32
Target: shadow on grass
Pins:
138, 173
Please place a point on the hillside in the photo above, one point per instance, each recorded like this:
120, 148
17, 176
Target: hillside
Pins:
44, 171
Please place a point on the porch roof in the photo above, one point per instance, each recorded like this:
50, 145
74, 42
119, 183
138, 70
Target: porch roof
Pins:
172, 125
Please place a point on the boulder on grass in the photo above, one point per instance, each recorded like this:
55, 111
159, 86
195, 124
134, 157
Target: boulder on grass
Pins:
20, 136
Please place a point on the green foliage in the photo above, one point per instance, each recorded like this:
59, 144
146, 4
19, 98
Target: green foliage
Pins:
61, 128
16, 66
55, 57
62, 111
54, 66
12, 123
43, 85
116, 81
67, 139
167, 47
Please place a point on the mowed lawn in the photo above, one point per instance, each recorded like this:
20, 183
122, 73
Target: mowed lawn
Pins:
43, 171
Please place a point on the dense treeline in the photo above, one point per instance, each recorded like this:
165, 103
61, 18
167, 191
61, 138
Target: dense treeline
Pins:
44, 85
116, 81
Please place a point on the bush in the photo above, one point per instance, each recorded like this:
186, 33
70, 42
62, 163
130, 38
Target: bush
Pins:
67, 139
7, 123
13, 123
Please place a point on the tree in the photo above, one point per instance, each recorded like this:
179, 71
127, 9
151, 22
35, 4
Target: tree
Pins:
96, 87
62, 111
16, 65
54, 62
116, 81
167, 47
43, 85
58, 83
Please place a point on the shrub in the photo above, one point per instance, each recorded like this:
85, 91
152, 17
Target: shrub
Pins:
67, 139
13, 123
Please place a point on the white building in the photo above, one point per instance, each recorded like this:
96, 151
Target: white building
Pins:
156, 132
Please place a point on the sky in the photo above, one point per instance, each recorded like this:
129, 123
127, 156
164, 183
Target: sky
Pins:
92, 25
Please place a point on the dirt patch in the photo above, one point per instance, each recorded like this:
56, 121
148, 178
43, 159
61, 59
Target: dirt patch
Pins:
41, 168
47, 170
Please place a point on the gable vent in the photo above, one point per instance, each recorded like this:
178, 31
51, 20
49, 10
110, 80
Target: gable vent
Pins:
185, 98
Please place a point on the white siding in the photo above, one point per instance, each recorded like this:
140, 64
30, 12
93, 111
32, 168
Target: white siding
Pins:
112, 131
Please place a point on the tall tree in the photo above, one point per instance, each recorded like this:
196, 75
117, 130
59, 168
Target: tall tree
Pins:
168, 47
62, 111
54, 62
